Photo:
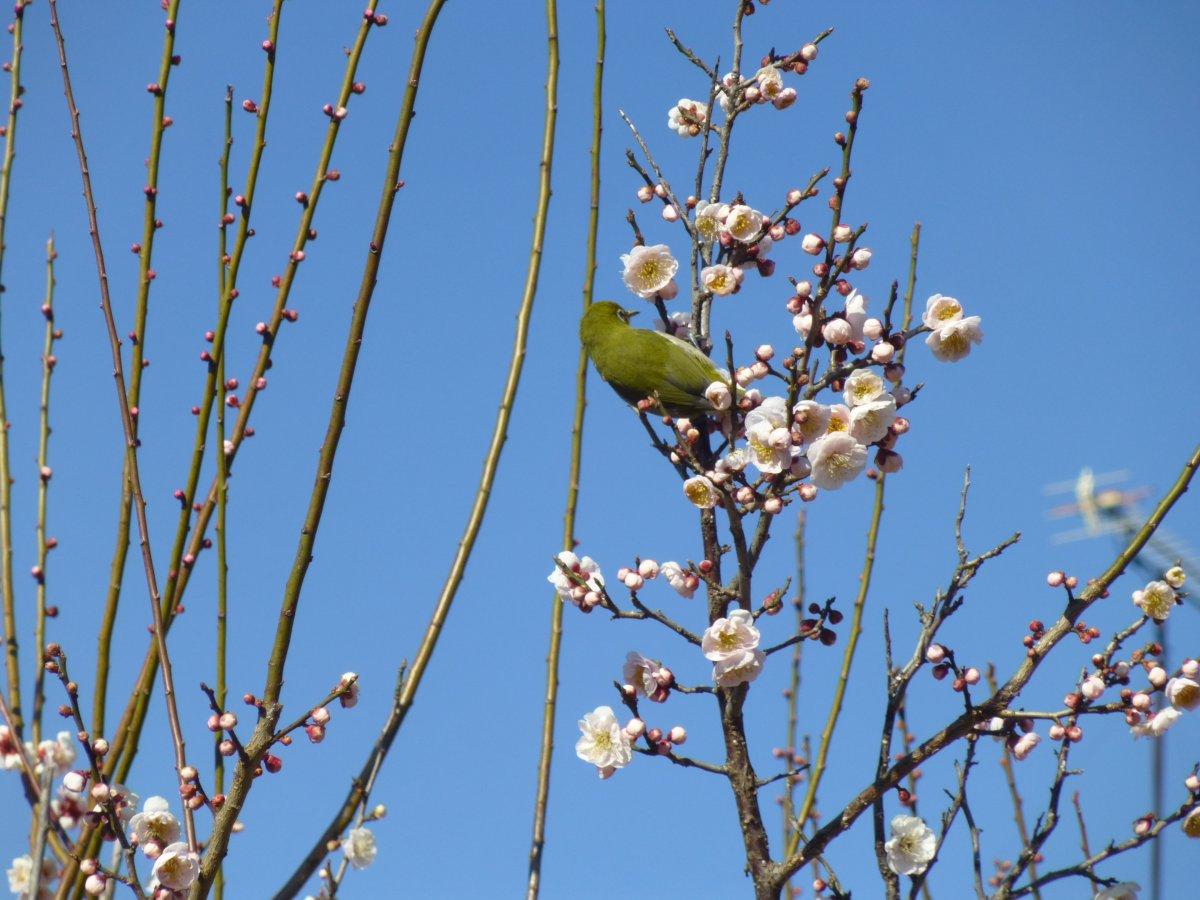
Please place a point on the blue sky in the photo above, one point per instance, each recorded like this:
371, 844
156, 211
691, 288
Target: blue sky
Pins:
1049, 154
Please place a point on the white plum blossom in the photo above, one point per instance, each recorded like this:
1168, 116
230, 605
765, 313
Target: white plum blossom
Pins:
785, 98
687, 117
728, 636
709, 219
719, 395
154, 828
839, 419
647, 676
870, 421
1175, 577
941, 311
58, 753
586, 568
811, 418
1183, 693
863, 386
725, 97
1159, 723
952, 342
700, 490
856, 315
836, 459
740, 667
720, 279
20, 875
1124, 890
768, 437
770, 82
911, 847
1156, 600
648, 269
743, 223
359, 847
177, 867
684, 583
603, 742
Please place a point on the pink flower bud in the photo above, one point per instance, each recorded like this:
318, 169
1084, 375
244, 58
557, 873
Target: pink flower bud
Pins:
794, 196
606, 772
804, 288
860, 258
88, 866
1025, 744
635, 729
1071, 582
842, 234
670, 213
316, 733
1056, 579
812, 244
935, 653
100, 792
808, 492
75, 781
745, 495
634, 581
1157, 676
837, 332
648, 569
654, 735
764, 352
1140, 700
1190, 668
320, 715
883, 352
670, 292
971, 676
1092, 687
95, 884
228, 720
808, 52
1192, 783
1057, 732
773, 506
677, 735
188, 773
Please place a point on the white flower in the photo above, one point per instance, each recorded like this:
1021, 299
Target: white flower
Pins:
1125, 890
785, 98
941, 311
743, 223
604, 742
1183, 693
728, 637
770, 82
678, 579
870, 421
154, 827
648, 269
719, 279
836, 459
911, 847
687, 117
586, 568
800, 466
10, 751
701, 492
1158, 724
811, 418
718, 395
1156, 600
952, 342
644, 675
20, 876
359, 847
767, 436
740, 667
1175, 577
59, 753
709, 218
863, 386
177, 867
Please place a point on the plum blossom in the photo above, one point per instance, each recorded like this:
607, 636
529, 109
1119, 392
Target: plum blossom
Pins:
836, 459
687, 117
1159, 723
359, 847
154, 828
709, 219
1156, 600
770, 82
58, 753
941, 311
950, 343
727, 637
1183, 693
684, 583
1175, 577
603, 742
720, 279
743, 223
768, 437
911, 847
701, 492
870, 421
680, 324
20, 875
811, 418
856, 315
740, 667
648, 270
585, 567
719, 395
177, 868
725, 97
10, 750
647, 676
863, 386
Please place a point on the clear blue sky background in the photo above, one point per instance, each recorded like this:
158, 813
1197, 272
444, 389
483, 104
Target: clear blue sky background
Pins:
1048, 149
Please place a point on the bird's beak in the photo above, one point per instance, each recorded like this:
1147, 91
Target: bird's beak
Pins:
630, 313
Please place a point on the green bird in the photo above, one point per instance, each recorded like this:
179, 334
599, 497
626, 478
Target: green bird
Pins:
638, 363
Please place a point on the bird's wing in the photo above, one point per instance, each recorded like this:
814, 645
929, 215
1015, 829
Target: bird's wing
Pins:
686, 375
